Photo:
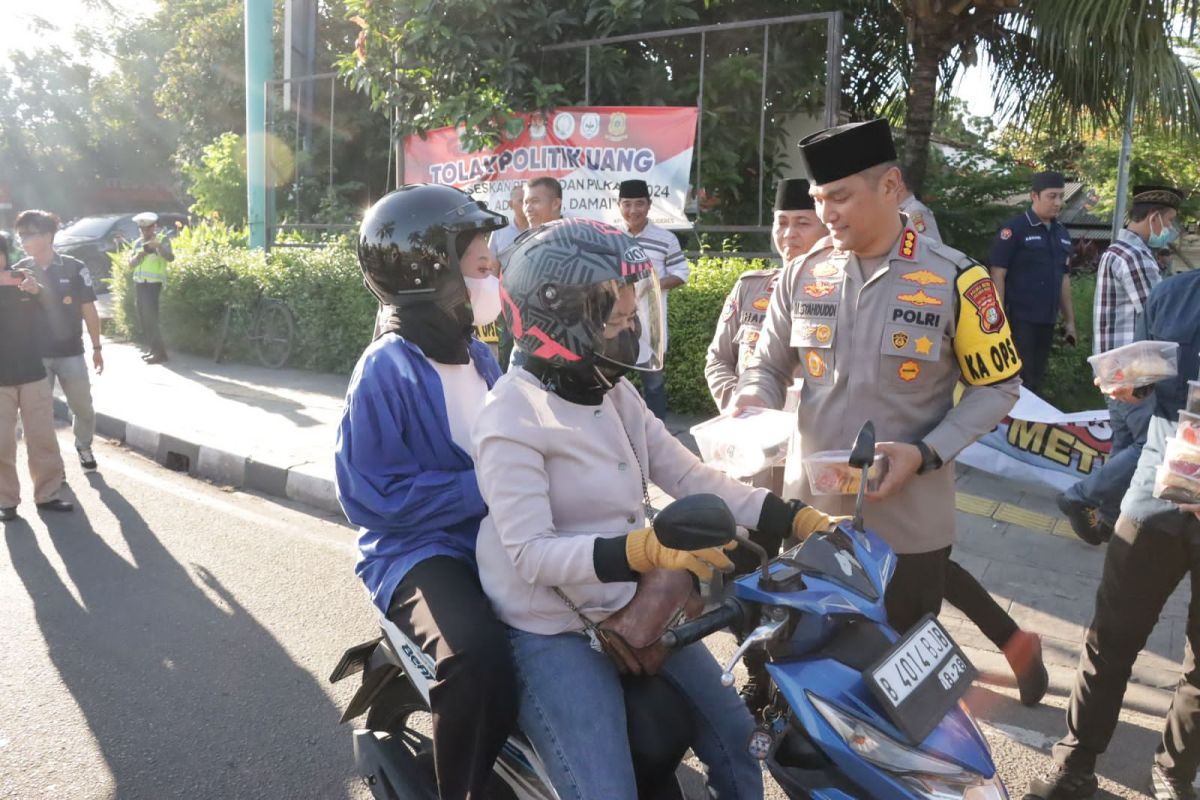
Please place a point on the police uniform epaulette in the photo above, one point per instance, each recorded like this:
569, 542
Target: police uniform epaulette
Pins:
757, 273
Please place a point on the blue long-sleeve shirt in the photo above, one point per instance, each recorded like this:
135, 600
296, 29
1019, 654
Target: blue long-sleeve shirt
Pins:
400, 476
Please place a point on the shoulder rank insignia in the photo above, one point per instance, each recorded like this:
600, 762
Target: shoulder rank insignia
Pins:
908, 243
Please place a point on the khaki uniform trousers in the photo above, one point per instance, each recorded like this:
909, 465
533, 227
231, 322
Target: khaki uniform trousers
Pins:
32, 401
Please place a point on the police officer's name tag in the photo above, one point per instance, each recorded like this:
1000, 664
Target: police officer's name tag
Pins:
921, 678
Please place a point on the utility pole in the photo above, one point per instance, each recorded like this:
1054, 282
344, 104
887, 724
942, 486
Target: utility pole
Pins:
260, 58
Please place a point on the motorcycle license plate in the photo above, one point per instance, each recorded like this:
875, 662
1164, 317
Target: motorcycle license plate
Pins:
921, 678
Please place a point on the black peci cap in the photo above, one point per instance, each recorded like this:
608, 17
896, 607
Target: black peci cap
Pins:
1048, 180
792, 195
836, 153
633, 189
1167, 196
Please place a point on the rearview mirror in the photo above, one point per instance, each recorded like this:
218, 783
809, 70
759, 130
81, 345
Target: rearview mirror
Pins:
695, 522
863, 454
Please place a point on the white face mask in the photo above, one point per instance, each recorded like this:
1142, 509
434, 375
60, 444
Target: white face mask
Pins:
485, 298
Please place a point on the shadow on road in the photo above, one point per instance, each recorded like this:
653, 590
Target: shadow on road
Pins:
186, 697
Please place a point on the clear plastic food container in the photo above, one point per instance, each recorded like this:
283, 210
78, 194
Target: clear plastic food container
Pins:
1176, 488
1189, 428
829, 472
1134, 365
1182, 459
1193, 401
747, 442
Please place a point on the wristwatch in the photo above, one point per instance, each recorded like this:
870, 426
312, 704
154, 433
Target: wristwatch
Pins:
930, 460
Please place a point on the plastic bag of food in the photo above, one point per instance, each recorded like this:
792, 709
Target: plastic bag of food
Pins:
1176, 488
829, 472
1134, 365
746, 442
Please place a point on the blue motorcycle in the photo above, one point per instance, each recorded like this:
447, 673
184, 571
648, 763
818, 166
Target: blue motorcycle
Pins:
855, 711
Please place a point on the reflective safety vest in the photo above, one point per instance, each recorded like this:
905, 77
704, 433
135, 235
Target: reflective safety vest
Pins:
151, 269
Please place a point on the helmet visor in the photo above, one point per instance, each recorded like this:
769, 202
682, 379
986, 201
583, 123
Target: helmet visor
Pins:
631, 331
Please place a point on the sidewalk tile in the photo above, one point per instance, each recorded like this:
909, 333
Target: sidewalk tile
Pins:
1032, 520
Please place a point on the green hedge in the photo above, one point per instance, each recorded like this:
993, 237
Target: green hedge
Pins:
334, 314
1068, 382
692, 312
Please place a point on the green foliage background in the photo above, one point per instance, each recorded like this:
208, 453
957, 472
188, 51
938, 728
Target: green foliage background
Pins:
322, 286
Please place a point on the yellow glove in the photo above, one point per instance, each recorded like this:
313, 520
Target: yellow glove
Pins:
809, 520
644, 553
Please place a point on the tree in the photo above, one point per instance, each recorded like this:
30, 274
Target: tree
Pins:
1056, 62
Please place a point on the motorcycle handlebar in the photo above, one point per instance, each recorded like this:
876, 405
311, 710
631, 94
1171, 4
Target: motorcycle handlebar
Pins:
729, 614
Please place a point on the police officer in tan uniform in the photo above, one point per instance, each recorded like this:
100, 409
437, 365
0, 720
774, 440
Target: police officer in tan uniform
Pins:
920, 217
794, 231
884, 324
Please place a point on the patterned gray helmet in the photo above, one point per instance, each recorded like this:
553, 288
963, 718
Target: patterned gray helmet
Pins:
578, 292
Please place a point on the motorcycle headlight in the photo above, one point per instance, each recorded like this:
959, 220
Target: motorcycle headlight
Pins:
926, 775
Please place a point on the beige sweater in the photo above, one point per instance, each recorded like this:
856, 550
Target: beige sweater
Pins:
555, 476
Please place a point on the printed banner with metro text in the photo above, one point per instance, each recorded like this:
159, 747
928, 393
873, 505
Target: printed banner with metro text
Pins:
590, 150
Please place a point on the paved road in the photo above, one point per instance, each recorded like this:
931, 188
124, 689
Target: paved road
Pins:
171, 639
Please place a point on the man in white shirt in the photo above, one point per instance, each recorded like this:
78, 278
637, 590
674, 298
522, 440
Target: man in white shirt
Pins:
633, 200
501, 239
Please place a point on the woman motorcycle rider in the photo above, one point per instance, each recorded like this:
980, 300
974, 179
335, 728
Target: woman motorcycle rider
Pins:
563, 451
404, 476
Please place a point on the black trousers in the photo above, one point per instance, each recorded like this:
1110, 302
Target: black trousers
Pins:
442, 608
917, 587
1033, 341
1142, 567
147, 309
966, 594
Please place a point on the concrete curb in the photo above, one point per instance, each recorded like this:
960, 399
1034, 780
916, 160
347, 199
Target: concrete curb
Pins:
306, 483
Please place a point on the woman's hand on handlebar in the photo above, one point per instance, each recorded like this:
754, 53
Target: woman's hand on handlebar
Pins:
644, 553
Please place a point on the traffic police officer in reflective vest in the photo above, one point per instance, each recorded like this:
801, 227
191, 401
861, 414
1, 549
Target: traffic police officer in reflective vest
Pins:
149, 259
794, 231
885, 323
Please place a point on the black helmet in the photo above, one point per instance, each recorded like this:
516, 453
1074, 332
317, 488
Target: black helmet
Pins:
409, 243
579, 294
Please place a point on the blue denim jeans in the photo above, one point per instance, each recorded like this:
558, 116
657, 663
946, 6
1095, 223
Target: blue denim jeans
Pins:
72, 373
654, 390
1105, 487
573, 711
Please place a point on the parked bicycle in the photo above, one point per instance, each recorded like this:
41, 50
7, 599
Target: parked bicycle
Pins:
270, 328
